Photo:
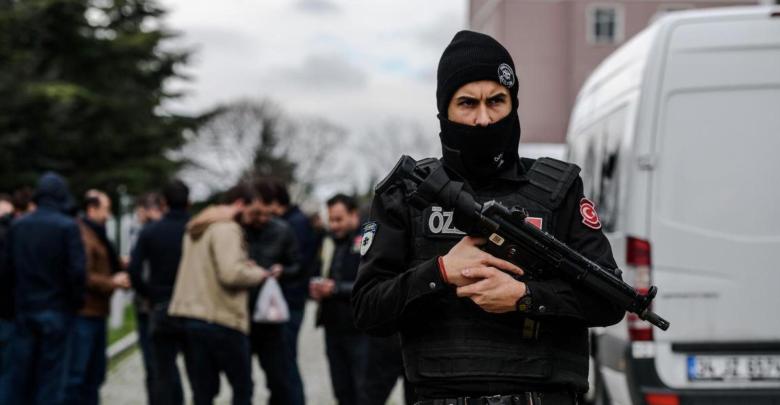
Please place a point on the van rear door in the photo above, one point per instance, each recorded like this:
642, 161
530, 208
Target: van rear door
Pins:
715, 216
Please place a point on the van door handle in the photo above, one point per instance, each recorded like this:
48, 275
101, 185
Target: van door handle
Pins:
647, 162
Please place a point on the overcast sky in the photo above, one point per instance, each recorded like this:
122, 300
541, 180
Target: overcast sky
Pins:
358, 63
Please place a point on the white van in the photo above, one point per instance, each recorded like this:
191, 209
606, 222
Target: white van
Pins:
678, 136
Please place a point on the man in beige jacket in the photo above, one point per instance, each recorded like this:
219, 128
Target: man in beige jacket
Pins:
211, 293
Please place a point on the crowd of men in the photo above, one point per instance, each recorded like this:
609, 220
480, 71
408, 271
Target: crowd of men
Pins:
196, 278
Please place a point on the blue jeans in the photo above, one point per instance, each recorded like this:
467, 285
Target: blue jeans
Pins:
347, 354
291, 331
6, 333
212, 349
40, 357
87, 368
142, 327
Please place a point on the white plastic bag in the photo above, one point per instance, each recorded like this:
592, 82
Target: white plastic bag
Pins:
271, 306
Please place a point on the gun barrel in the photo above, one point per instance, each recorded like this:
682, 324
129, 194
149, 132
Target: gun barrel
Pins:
656, 320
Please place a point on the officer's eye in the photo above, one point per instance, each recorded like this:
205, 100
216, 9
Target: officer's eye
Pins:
496, 100
467, 102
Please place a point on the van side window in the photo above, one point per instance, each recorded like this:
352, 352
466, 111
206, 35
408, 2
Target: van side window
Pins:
591, 168
607, 204
608, 199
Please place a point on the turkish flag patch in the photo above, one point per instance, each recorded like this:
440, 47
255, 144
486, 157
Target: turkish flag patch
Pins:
535, 221
589, 216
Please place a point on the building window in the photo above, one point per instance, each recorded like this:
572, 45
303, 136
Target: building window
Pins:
605, 24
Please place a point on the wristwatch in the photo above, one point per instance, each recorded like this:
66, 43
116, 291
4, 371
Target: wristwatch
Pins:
523, 303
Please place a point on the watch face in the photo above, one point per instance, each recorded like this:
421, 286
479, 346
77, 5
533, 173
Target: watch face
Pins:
524, 303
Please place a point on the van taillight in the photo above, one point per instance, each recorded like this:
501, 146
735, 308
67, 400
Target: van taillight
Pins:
638, 252
638, 259
662, 399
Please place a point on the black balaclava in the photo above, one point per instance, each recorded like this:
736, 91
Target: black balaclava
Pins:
477, 153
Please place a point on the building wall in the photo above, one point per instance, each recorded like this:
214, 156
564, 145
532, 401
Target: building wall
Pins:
549, 43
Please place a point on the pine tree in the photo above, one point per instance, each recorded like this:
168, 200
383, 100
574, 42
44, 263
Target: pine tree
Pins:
81, 84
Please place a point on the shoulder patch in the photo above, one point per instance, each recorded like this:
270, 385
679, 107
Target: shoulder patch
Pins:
369, 231
357, 243
589, 215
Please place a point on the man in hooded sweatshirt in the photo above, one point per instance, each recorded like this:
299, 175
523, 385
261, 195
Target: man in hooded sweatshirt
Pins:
470, 332
211, 292
47, 261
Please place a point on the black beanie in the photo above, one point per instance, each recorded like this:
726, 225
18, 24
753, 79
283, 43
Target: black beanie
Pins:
471, 57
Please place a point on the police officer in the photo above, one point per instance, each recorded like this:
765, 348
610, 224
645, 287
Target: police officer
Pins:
471, 332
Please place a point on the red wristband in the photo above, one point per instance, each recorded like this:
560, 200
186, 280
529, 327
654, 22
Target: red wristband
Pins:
442, 270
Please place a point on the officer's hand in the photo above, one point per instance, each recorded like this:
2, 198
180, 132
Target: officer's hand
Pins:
467, 255
492, 289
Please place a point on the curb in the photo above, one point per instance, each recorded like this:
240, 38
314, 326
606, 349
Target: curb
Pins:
122, 345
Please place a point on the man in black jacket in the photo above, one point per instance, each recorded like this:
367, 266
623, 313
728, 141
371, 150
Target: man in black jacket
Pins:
346, 347
470, 332
159, 250
295, 289
148, 209
272, 245
47, 262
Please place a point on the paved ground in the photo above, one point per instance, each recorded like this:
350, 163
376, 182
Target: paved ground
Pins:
124, 384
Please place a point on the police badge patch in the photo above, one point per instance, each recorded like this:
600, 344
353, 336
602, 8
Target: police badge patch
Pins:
506, 75
369, 230
357, 243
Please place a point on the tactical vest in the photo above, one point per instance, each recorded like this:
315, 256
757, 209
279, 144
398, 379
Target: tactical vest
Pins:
453, 339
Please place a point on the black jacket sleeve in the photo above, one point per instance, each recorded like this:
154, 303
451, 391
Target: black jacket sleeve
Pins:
6, 265
307, 245
76, 266
386, 288
343, 289
135, 269
557, 297
6, 277
291, 257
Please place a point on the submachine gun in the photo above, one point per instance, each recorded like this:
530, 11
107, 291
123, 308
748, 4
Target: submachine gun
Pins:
511, 238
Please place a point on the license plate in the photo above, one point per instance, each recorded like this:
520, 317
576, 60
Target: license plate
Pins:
734, 368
